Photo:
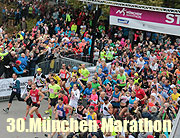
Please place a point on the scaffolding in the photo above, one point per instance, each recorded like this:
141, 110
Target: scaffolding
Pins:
135, 6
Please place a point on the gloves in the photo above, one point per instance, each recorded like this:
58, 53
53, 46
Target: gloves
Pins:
10, 87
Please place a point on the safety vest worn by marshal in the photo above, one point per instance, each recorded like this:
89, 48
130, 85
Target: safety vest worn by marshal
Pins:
30, 10
110, 55
102, 54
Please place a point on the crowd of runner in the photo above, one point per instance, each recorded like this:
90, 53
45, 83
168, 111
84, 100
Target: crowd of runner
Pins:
134, 78
122, 91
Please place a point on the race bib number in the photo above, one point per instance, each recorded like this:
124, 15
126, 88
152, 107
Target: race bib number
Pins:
72, 97
38, 81
60, 113
88, 96
62, 75
34, 99
51, 90
14, 90
115, 99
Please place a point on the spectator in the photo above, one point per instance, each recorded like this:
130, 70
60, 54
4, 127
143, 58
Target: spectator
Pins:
23, 24
23, 59
18, 69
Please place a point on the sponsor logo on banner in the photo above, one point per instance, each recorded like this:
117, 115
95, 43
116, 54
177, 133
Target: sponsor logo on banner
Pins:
5, 83
123, 21
154, 21
129, 13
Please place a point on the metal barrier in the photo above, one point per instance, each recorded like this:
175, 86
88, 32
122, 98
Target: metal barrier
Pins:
175, 130
58, 63
79, 57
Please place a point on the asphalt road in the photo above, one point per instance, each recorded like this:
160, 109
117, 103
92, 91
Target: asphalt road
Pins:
18, 111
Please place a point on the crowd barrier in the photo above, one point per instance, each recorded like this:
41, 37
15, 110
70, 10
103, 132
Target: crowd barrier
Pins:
5, 91
55, 66
175, 133
79, 57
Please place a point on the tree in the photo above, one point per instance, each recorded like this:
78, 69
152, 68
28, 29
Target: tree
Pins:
159, 3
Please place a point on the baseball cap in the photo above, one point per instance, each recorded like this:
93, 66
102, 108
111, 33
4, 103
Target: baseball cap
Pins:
136, 74
75, 68
39, 69
18, 62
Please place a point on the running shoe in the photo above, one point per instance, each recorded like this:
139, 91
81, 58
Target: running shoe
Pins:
6, 110
49, 118
24, 118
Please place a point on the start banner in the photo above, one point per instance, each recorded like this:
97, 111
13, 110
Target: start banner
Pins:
161, 22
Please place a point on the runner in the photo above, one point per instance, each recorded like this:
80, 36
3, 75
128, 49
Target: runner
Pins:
16, 91
75, 72
60, 113
39, 79
107, 108
115, 100
75, 95
63, 75
94, 100
65, 100
35, 94
75, 80
81, 111
29, 100
91, 114
84, 74
53, 95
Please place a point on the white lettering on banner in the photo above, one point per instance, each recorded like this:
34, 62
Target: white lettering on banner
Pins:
171, 18
5, 83
129, 13
145, 25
